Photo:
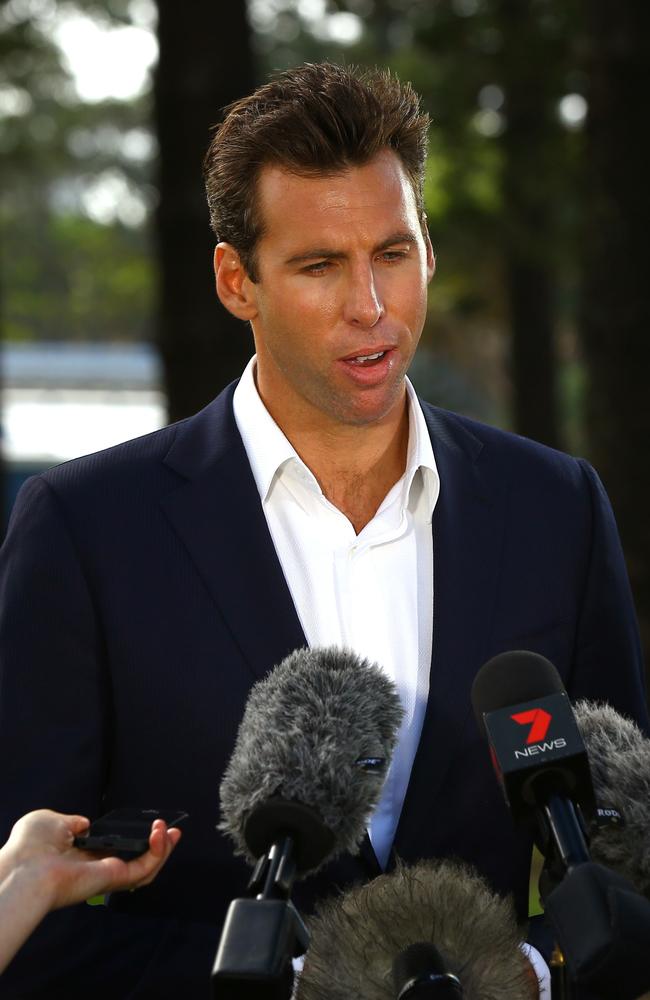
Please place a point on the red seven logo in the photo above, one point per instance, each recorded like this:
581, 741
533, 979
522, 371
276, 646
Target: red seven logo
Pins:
537, 719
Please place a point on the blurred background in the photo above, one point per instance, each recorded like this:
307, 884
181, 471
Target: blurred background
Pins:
537, 199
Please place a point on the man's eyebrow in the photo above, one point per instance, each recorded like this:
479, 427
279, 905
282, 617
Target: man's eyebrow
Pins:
404, 237
327, 253
316, 252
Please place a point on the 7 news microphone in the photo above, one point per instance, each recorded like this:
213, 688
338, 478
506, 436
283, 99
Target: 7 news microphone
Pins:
601, 923
307, 770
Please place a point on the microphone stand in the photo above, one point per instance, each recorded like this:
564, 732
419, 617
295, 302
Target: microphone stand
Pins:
262, 933
601, 924
560, 985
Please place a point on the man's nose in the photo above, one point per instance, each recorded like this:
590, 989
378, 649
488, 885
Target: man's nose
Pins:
363, 305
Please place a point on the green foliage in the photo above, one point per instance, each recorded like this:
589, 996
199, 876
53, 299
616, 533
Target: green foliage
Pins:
66, 276
69, 278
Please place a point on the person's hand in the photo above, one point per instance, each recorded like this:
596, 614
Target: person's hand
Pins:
40, 848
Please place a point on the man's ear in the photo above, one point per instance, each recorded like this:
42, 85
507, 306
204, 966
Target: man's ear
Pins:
234, 287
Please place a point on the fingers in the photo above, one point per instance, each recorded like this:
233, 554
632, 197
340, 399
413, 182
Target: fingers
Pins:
162, 840
77, 824
174, 835
158, 838
41, 843
161, 843
140, 871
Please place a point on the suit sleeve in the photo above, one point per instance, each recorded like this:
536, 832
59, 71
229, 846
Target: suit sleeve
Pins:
55, 734
608, 662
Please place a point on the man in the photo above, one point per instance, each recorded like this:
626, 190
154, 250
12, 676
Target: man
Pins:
147, 587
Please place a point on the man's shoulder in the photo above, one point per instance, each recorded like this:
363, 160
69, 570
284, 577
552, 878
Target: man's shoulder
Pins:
505, 453
474, 436
148, 464
128, 458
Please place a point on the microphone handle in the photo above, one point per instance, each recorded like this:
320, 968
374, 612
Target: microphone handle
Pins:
446, 987
282, 870
563, 823
261, 935
439, 987
275, 872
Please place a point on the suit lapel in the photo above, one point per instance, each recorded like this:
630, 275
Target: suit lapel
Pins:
218, 515
468, 529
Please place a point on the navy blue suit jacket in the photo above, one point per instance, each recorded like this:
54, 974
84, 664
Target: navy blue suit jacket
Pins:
141, 597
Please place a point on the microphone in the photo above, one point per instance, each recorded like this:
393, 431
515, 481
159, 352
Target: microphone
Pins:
311, 755
431, 930
601, 923
619, 756
603, 927
537, 752
312, 751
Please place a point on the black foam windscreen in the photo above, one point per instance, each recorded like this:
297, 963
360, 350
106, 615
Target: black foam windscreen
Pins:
312, 839
511, 678
537, 752
419, 972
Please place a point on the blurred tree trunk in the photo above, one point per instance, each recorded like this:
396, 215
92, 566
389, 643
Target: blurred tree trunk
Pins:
530, 135
205, 63
615, 313
4, 504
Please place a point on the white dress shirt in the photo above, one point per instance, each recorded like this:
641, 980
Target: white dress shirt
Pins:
372, 592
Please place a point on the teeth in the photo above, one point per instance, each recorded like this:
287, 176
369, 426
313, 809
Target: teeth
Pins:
370, 357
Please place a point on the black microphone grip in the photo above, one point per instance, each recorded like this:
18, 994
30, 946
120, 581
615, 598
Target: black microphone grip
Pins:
565, 829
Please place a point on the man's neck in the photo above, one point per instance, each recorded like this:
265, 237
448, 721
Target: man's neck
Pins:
356, 466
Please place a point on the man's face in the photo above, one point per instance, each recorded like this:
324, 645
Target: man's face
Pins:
340, 301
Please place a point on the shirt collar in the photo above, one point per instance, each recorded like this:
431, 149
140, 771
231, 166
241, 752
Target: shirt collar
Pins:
420, 453
268, 449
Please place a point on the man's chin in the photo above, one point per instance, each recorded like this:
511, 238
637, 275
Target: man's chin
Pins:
372, 409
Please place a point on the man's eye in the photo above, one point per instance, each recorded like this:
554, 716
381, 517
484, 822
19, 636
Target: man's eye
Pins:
318, 268
392, 255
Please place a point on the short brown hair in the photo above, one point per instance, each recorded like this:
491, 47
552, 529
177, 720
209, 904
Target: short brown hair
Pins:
318, 118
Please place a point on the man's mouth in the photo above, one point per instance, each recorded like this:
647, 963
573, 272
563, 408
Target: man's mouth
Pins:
366, 359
